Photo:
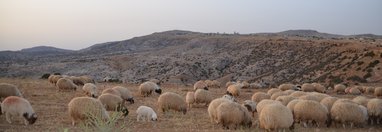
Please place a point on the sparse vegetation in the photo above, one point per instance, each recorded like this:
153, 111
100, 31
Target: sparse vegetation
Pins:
370, 54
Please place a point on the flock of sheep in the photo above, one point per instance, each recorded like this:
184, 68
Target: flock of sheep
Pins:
278, 108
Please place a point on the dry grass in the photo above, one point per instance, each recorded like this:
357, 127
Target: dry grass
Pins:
51, 108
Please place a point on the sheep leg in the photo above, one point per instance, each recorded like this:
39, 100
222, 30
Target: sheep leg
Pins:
138, 118
8, 117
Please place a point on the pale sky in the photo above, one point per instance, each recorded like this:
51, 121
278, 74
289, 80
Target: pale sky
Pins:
77, 24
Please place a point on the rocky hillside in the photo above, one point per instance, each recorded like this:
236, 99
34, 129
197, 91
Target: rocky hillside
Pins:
183, 57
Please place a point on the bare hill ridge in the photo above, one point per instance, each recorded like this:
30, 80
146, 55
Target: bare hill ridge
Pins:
184, 57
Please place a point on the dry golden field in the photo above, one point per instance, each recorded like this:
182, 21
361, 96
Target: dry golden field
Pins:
51, 108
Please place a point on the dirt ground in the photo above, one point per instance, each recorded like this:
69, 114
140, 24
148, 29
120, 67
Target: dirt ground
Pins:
51, 108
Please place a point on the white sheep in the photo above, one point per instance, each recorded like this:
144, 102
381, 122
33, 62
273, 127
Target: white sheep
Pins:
8, 90
378, 91
298, 94
234, 89
125, 93
319, 88
203, 96
339, 88
347, 112
287, 86
361, 100
111, 91
83, 108
214, 104
308, 110
18, 106
307, 87
265, 102
258, 96
171, 101
66, 84
90, 90
146, 89
231, 115
285, 99
190, 99
328, 102
200, 85
272, 91
113, 102
275, 116
146, 113
374, 109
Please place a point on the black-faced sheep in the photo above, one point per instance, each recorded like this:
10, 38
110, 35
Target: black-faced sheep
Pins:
258, 96
125, 93
90, 90
8, 90
18, 106
66, 84
146, 89
84, 108
232, 115
275, 116
146, 113
113, 103
171, 101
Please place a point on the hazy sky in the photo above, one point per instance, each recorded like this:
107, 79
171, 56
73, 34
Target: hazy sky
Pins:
77, 24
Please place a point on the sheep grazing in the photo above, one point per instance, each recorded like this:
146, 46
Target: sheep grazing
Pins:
146, 89
354, 91
212, 108
258, 96
275, 117
361, 100
369, 90
319, 88
54, 78
272, 91
378, 91
200, 85
287, 86
232, 115
277, 94
84, 108
250, 105
320, 96
190, 99
8, 90
307, 87
18, 106
285, 99
113, 103
125, 93
76, 80
172, 101
86, 79
310, 97
339, 88
245, 84
374, 109
90, 90
146, 113
66, 84
308, 110
346, 112
292, 103
203, 96
288, 92
156, 81
234, 89
328, 102
265, 102
298, 94
111, 91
